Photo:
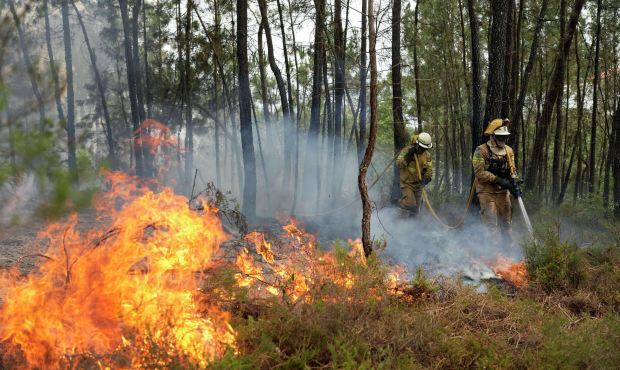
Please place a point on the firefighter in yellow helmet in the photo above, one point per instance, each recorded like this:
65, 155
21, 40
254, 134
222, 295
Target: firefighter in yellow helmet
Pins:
495, 176
412, 177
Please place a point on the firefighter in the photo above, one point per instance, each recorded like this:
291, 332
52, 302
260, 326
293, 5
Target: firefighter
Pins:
495, 179
412, 177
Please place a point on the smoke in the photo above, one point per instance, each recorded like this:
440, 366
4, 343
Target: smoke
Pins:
18, 200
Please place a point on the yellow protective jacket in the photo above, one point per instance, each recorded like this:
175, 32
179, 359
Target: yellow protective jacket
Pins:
408, 171
481, 161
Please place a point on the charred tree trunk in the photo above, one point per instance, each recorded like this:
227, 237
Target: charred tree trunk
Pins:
131, 85
53, 68
592, 158
497, 56
555, 84
361, 179
70, 127
476, 123
100, 89
245, 112
401, 139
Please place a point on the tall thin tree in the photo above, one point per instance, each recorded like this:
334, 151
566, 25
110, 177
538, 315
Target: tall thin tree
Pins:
401, 138
595, 83
372, 136
245, 112
70, 127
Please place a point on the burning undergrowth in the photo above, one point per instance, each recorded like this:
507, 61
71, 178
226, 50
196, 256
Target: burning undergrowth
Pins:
138, 290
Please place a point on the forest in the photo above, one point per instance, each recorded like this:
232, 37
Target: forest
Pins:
219, 184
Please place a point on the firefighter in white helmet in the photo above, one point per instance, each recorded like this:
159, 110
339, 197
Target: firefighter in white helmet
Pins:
416, 171
495, 178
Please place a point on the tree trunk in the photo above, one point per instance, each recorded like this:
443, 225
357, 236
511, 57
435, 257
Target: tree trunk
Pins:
53, 68
497, 56
615, 154
30, 69
288, 144
416, 66
592, 163
339, 53
361, 179
70, 127
517, 114
189, 155
287, 65
245, 112
361, 144
557, 142
312, 153
508, 60
147, 81
476, 124
263, 77
104, 104
401, 139
555, 84
131, 85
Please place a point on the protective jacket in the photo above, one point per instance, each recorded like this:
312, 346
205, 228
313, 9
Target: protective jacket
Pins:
408, 172
490, 162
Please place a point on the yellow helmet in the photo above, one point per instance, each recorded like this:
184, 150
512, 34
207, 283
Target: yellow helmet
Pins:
498, 127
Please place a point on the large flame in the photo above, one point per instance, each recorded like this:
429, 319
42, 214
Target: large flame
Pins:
127, 289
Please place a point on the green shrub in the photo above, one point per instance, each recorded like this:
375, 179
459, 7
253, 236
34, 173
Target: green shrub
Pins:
553, 264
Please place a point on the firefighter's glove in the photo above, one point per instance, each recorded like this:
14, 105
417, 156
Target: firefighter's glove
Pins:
425, 181
411, 153
503, 183
515, 189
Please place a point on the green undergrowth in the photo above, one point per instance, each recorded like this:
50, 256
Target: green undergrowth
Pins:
567, 317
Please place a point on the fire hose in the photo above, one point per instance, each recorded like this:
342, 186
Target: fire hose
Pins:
519, 196
430, 208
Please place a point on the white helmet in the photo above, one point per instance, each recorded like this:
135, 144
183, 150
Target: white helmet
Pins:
501, 131
424, 140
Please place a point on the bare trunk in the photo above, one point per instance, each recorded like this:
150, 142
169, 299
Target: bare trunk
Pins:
476, 123
245, 113
361, 144
401, 139
70, 127
23, 45
557, 142
131, 84
53, 68
592, 188
100, 89
497, 56
555, 84
361, 179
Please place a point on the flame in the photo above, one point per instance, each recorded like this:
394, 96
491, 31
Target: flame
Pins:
128, 289
511, 271
154, 136
301, 269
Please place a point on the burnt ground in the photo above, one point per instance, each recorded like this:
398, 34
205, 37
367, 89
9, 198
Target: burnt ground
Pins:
18, 243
